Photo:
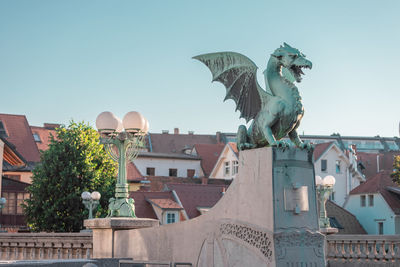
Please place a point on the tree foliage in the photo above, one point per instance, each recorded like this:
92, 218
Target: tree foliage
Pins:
75, 162
396, 170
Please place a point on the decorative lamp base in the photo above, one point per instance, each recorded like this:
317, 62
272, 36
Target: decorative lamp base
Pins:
121, 207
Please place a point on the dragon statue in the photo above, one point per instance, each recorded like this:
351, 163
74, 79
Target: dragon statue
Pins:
277, 111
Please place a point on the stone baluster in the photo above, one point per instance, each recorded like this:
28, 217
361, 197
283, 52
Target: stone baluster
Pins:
380, 249
371, 246
357, 253
390, 250
29, 251
331, 249
20, 251
396, 251
57, 251
363, 250
12, 254
88, 251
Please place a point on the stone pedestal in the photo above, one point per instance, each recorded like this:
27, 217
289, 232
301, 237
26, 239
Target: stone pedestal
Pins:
297, 241
104, 232
267, 217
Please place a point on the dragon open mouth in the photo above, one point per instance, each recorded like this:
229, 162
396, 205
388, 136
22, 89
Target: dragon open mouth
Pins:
297, 71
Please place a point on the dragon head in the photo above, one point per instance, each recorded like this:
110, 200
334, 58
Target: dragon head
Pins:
292, 60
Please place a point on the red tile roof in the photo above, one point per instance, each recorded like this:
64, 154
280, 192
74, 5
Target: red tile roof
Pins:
143, 208
20, 134
319, 149
370, 162
209, 154
176, 143
379, 184
346, 219
132, 172
44, 135
193, 196
165, 203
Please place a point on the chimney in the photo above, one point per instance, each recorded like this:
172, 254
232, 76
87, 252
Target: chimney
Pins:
190, 132
204, 180
176, 130
218, 136
165, 131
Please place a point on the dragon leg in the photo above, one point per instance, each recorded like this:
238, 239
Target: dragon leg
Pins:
243, 140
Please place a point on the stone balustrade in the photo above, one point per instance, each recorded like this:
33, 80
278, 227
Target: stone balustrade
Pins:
363, 248
41, 246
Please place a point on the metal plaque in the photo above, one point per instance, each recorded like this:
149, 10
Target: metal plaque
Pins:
296, 199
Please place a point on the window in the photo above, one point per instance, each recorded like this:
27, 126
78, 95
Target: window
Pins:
171, 217
324, 164
3, 130
362, 200
173, 172
235, 167
227, 169
150, 171
190, 173
14, 201
36, 137
371, 200
380, 228
338, 166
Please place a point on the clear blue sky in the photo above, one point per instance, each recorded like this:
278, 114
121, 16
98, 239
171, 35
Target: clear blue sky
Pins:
62, 60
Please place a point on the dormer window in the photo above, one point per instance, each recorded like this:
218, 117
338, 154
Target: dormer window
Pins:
36, 137
3, 132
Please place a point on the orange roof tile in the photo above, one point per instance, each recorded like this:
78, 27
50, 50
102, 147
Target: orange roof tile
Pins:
209, 154
165, 203
379, 184
319, 149
132, 172
44, 135
143, 208
20, 135
193, 196
176, 143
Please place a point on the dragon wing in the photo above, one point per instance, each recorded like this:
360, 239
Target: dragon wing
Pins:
239, 75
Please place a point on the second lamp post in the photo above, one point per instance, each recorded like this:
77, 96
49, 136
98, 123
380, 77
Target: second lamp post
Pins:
123, 141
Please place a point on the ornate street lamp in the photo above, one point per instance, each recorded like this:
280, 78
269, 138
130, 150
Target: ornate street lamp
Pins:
90, 200
123, 141
324, 189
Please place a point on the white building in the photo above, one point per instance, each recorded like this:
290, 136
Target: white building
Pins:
329, 159
163, 164
376, 204
227, 165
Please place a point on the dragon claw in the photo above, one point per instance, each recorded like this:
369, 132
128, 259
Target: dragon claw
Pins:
281, 144
306, 146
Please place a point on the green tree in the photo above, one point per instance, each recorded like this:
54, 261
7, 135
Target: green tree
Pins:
396, 170
75, 162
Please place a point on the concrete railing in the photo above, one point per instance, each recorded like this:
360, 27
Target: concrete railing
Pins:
363, 248
41, 246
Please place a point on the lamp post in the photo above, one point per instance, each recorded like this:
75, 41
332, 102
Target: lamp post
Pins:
2, 203
90, 200
122, 140
324, 189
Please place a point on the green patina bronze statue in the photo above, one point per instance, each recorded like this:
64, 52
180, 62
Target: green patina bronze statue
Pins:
275, 114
